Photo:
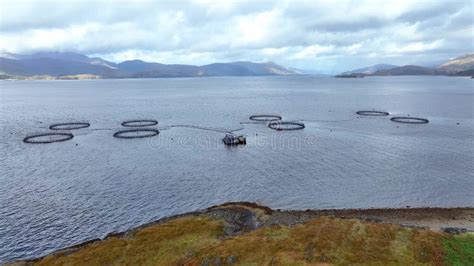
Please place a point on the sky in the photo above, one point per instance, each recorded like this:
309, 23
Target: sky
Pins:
325, 36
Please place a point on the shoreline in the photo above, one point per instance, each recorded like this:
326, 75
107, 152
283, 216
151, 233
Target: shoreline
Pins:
95, 77
245, 217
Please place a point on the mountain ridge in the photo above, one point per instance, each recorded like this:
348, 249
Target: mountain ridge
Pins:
459, 66
370, 70
57, 64
408, 70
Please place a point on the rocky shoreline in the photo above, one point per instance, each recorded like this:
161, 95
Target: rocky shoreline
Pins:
240, 218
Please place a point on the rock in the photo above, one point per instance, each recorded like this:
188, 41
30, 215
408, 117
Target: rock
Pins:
454, 230
371, 219
231, 260
237, 219
190, 254
414, 226
115, 234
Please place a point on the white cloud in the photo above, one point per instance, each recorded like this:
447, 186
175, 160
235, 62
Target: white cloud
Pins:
300, 33
415, 47
312, 51
274, 51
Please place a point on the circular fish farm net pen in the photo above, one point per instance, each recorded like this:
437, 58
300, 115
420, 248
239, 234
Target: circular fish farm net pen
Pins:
69, 126
45, 138
373, 113
409, 120
283, 125
265, 118
140, 123
136, 133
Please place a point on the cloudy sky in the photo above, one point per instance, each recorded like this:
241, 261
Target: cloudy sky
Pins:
328, 36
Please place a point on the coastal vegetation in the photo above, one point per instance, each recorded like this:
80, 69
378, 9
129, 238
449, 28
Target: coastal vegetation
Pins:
245, 234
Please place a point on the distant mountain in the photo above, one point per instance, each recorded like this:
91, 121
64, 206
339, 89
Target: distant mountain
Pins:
469, 72
462, 63
138, 66
53, 67
141, 69
230, 69
408, 71
65, 56
460, 66
263, 69
310, 72
370, 70
57, 64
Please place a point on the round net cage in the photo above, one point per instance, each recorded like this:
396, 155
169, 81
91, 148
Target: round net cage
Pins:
283, 125
409, 120
45, 138
69, 126
373, 113
265, 118
136, 133
140, 123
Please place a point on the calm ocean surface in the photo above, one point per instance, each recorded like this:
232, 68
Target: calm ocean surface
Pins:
56, 195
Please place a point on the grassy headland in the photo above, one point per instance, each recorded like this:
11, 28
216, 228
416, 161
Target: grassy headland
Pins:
248, 234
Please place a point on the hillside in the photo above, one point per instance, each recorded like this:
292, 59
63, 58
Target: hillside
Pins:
469, 72
462, 63
53, 67
248, 234
57, 64
460, 66
408, 70
370, 70
65, 56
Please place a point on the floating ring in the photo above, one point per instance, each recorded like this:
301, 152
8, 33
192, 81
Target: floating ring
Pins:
69, 126
265, 118
283, 125
140, 123
148, 132
373, 113
410, 120
63, 137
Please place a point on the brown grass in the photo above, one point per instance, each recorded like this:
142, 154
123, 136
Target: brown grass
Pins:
325, 240
162, 244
